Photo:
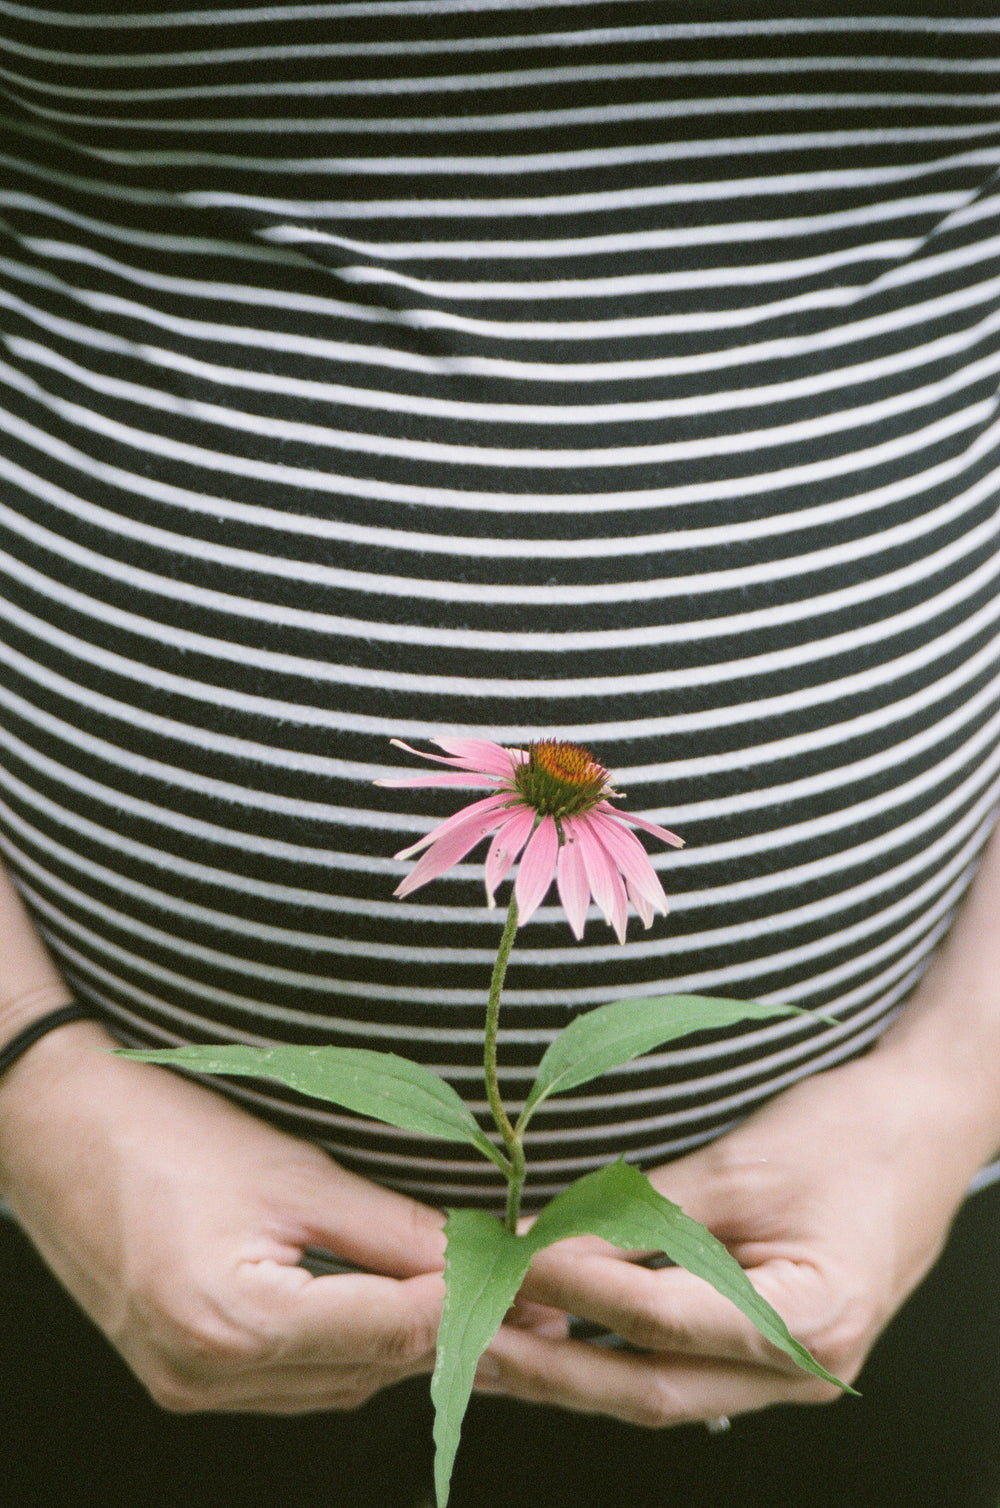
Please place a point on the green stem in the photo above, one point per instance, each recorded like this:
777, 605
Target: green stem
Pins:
511, 1139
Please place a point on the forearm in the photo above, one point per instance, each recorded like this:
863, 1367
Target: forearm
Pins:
31, 987
944, 1049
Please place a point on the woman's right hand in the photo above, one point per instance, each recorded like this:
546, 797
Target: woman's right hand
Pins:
178, 1222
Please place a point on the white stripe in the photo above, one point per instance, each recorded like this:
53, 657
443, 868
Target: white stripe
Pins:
793, 1063
892, 983
367, 9
517, 163
607, 732
780, 185
858, 813
955, 875
697, 1059
326, 623
115, 192
180, 822
657, 589
564, 413
826, 909
462, 547
579, 38
527, 457
132, 235
559, 1106
954, 725
293, 344
556, 503
233, 652
847, 332
176, 910
657, 239
301, 713
372, 1028
225, 790
542, 121
909, 269
609, 412
901, 975
731, 1104
528, 78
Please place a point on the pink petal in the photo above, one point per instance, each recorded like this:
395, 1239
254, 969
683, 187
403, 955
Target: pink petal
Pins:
644, 910
476, 755
447, 849
647, 827
632, 861
442, 777
506, 846
605, 881
398, 743
500, 801
572, 881
480, 755
535, 871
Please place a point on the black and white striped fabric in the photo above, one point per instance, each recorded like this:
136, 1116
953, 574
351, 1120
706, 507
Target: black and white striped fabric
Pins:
622, 371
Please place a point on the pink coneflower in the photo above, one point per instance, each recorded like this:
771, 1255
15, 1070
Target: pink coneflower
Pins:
550, 805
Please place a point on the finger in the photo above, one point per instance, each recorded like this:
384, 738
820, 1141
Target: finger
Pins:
284, 1340
362, 1319
662, 1309
313, 1390
292, 1389
538, 1317
375, 1227
654, 1392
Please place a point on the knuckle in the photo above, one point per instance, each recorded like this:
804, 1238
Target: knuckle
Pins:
426, 1239
195, 1359
656, 1407
528, 1379
816, 1391
841, 1348
355, 1394
407, 1342
647, 1331
174, 1394
211, 1345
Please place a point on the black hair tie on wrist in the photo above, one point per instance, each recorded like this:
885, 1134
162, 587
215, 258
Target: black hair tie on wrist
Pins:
40, 1028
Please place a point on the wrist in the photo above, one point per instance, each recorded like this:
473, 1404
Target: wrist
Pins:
37, 1000
941, 1064
945, 1045
14, 1048
37, 1089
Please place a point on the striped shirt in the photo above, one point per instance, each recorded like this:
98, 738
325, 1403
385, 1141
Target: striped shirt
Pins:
622, 372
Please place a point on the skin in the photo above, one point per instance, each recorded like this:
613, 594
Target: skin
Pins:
836, 1197
177, 1220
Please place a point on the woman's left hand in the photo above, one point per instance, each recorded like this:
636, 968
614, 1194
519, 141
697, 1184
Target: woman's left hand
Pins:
835, 1197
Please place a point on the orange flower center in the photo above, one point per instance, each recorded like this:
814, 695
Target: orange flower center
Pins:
561, 779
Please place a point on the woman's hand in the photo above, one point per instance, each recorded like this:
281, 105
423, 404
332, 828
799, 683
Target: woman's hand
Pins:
836, 1198
827, 1197
178, 1222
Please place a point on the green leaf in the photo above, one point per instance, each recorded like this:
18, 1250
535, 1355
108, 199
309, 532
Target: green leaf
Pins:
485, 1266
619, 1204
379, 1084
614, 1034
